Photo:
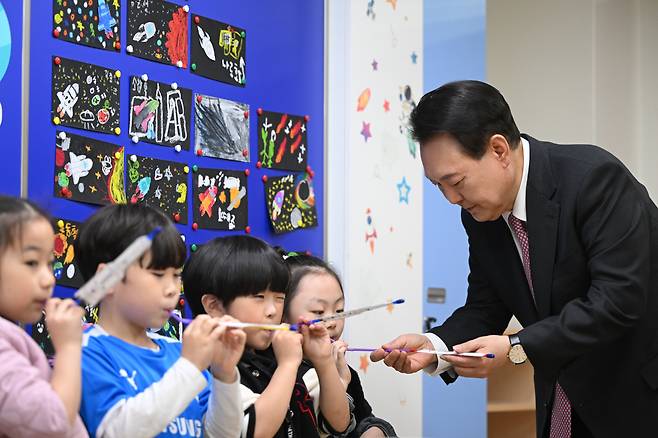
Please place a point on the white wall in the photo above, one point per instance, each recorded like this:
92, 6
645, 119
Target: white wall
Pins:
581, 71
363, 175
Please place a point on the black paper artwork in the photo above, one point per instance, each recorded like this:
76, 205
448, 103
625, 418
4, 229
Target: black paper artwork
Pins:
219, 51
160, 113
220, 199
85, 96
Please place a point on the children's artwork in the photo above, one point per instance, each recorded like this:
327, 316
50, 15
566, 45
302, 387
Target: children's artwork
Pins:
85, 96
219, 51
160, 113
220, 199
157, 31
42, 337
282, 141
65, 267
90, 23
408, 104
88, 170
160, 184
291, 202
221, 128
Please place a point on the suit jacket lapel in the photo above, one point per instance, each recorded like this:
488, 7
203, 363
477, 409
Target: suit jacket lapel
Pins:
542, 224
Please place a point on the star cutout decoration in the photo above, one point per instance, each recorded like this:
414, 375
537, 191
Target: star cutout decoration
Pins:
403, 190
414, 57
374, 64
364, 363
365, 131
393, 3
387, 106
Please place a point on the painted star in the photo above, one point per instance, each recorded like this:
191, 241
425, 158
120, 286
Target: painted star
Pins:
98, 175
88, 148
100, 157
403, 190
374, 64
364, 363
393, 3
365, 131
387, 106
93, 189
414, 57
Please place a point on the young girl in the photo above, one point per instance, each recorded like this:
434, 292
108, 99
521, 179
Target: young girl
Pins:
34, 401
244, 277
315, 291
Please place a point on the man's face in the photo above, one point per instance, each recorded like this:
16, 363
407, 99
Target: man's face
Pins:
484, 187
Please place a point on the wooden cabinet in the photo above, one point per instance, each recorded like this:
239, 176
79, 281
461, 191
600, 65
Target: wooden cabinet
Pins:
511, 400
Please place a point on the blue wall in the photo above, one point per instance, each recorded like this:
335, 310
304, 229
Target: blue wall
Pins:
454, 49
11, 36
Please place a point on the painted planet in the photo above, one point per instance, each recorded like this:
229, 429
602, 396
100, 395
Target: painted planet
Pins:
5, 42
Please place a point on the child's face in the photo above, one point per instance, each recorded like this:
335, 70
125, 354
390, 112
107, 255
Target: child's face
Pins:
26, 273
146, 297
318, 295
263, 308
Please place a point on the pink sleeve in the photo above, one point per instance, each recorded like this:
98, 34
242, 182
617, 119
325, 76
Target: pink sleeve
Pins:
28, 405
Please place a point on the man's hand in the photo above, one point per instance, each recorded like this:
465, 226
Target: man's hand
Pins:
406, 362
480, 366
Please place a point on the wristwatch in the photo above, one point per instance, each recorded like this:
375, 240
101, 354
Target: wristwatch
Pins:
516, 353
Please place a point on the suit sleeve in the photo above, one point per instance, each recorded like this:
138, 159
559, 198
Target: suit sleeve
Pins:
482, 314
614, 228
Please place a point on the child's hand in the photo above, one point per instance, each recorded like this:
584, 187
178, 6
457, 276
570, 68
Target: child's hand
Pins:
317, 343
287, 348
200, 340
228, 351
64, 322
338, 350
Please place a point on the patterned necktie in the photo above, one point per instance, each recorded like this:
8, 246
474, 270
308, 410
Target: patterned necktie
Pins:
561, 415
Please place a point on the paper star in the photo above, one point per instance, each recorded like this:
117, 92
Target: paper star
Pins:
374, 64
414, 57
387, 106
365, 131
98, 175
393, 3
364, 363
403, 190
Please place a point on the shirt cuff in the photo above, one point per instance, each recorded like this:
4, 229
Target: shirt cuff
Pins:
441, 365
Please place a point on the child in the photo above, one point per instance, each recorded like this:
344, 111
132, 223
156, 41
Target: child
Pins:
35, 401
137, 383
315, 291
244, 277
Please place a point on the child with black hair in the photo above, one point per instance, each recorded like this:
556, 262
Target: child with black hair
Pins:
35, 400
137, 383
244, 277
315, 291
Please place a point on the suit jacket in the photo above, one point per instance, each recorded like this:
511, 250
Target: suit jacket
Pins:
593, 237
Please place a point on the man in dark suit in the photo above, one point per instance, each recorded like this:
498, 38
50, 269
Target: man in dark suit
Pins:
562, 237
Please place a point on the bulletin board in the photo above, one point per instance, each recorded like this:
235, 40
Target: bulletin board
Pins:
115, 72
